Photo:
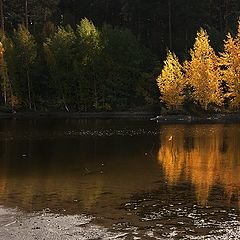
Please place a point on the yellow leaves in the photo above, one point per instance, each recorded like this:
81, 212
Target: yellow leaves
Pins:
201, 74
204, 74
170, 82
201, 48
230, 63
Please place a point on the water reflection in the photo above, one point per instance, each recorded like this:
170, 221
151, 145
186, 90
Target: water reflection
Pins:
42, 167
205, 155
98, 165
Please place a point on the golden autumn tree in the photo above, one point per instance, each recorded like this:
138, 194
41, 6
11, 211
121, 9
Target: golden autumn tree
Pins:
171, 82
230, 63
202, 72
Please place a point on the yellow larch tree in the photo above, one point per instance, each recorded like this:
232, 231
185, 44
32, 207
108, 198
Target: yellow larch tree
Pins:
230, 64
203, 73
171, 82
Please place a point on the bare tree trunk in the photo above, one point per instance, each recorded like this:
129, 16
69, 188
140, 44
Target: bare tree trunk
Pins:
220, 19
226, 15
106, 10
29, 90
11, 91
186, 39
2, 16
45, 15
186, 30
170, 23
95, 88
95, 94
4, 86
33, 98
7, 85
26, 14
65, 104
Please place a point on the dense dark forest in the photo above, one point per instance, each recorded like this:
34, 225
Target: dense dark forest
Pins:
93, 55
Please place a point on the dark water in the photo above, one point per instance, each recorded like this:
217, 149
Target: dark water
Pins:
135, 176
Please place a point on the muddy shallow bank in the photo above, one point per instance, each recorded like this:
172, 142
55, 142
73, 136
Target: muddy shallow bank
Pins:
15, 225
168, 223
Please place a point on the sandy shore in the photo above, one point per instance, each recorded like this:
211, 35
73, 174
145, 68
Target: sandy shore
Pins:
15, 225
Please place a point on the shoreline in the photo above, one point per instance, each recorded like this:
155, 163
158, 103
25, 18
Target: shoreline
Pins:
122, 114
204, 118
154, 116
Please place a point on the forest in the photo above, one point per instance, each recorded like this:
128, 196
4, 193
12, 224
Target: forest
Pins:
105, 55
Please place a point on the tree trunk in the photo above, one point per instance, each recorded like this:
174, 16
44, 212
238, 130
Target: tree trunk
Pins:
11, 92
95, 88
95, 95
26, 14
29, 90
170, 23
65, 104
220, 19
106, 11
5, 85
2, 16
33, 100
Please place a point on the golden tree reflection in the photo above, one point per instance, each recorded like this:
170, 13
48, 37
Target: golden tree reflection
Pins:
203, 155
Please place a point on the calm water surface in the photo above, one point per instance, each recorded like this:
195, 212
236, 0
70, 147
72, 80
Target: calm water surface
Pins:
147, 180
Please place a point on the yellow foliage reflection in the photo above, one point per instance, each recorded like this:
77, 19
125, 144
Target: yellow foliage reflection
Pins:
203, 155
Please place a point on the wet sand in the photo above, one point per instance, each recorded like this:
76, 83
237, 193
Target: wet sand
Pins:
15, 225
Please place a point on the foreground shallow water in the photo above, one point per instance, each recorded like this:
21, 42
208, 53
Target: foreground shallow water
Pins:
118, 179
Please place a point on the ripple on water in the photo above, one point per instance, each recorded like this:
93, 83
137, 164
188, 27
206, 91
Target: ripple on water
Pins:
78, 133
185, 221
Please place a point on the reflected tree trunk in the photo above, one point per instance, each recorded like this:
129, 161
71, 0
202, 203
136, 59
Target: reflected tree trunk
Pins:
2, 16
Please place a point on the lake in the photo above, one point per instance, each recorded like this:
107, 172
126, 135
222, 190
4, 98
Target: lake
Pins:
134, 179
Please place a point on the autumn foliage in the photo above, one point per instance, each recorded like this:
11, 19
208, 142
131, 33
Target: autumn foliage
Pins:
213, 79
171, 82
202, 72
230, 62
